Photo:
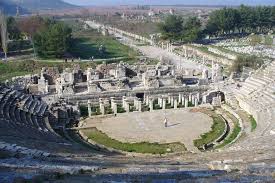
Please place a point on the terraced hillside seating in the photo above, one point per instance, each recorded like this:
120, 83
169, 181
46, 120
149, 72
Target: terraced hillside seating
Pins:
257, 97
22, 150
23, 119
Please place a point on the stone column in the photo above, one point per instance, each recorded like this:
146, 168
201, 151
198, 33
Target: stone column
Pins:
114, 108
127, 107
123, 101
169, 98
136, 102
102, 108
161, 100
190, 98
163, 103
186, 103
185, 53
159, 73
196, 102
198, 96
47, 87
89, 108
151, 105
144, 98
147, 100
112, 101
175, 104
193, 99
180, 98
139, 106
172, 101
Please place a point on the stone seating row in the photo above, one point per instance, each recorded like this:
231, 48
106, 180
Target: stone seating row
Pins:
13, 119
25, 101
22, 132
257, 97
23, 150
9, 110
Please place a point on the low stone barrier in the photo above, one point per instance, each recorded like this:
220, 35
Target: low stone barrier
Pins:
240, 121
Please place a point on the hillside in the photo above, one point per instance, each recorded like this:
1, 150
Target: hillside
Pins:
45, 4
9, 6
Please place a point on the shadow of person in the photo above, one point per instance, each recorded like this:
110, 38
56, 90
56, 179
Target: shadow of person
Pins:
176, 124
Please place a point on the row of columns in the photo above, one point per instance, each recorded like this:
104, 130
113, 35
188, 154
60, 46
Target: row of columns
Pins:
149, 101
135, 36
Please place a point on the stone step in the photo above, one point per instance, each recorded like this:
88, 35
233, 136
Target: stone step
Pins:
261, 82
245, 90
251, 85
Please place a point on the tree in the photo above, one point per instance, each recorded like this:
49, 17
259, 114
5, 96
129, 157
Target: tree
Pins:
246, 61
4, 33
172, 28
13, 30
245, 19
54, 41
31, 25
272, 18
192, 29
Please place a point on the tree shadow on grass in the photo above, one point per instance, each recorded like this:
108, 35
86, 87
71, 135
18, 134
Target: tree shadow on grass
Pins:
85, 48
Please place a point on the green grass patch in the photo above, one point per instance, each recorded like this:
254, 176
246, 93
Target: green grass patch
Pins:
142, 147
87, 43
234, 134
253, 123
7, 76
217, 130
120, 109
19, 68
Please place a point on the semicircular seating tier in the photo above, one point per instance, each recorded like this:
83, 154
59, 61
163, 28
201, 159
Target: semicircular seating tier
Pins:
257, 97
24, 120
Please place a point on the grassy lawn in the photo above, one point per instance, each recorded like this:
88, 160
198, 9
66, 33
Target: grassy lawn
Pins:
142, 147
234, 134
7, 76
12, 68
86, 45
19, 68
217, 130
253, 123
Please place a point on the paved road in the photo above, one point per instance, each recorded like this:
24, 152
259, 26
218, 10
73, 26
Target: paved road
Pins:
153, 51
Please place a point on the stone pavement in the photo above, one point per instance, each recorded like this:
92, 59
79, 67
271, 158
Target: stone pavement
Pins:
183, 126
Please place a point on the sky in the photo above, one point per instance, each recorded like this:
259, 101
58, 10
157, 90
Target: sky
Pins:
172, 2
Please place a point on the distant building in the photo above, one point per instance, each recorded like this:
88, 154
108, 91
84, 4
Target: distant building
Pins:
151, 13
171, 11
